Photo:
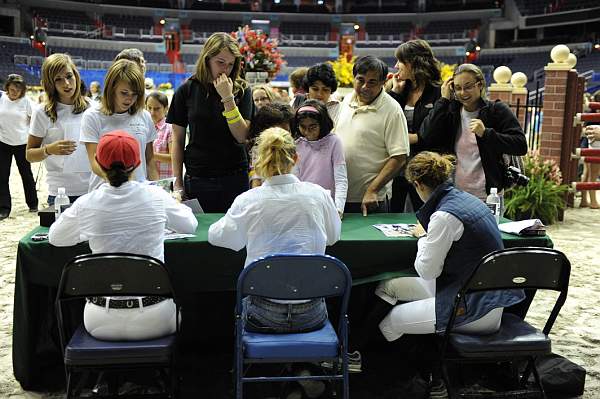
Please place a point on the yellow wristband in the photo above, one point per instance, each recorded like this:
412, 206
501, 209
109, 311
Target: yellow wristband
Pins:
234, 120
231, 114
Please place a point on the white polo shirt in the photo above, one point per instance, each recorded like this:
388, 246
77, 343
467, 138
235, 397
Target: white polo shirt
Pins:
370, 134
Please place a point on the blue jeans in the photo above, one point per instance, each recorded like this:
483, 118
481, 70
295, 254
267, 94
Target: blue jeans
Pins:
51, 199
216, 194
264, 316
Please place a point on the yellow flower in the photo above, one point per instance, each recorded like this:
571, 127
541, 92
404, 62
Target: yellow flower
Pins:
447, 71
343, 70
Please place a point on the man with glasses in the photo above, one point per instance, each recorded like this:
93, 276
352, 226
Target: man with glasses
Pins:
372, 128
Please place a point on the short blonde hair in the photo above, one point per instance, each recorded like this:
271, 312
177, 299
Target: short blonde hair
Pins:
217, 42
477, 74
268, 91
52, 67
123, 71
430, 168
276, 152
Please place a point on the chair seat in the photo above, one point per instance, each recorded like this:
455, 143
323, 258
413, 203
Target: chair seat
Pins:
85, 350
321, 343
515, 337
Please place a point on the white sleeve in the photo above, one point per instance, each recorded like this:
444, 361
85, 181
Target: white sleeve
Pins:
230, 231
65, 231
333, 223
90, 127
442, 231
151, 129
39, 123
180, 218
340, 176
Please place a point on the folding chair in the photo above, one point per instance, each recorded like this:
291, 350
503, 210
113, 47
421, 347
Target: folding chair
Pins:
116, 274
293, 277
516, 340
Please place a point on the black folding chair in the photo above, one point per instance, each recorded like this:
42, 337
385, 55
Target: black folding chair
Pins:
116, 274
517, 340
293, 277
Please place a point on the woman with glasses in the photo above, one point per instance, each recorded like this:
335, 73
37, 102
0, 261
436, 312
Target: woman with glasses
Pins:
15, 114
465, 123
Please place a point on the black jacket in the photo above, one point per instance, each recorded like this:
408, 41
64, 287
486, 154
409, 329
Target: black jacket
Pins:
503, 135
422, 108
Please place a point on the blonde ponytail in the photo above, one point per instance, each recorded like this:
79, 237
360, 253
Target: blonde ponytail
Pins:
430, 168
276, 152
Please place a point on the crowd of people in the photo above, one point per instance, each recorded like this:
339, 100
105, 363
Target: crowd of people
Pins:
283, 171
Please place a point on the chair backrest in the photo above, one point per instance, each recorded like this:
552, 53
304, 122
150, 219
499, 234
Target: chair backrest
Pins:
291, 277
114, 274
519, 268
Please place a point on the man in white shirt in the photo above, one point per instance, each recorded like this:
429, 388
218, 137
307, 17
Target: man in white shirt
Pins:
373, 130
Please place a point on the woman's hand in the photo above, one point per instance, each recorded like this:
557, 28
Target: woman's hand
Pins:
447, 90
592, 133
477, 127
418, 231
224, 86
61, 147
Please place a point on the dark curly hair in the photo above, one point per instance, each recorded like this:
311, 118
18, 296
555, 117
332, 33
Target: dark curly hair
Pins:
274, 114
323, 72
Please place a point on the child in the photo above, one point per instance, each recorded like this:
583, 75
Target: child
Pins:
121, 108
321, 156
158, 104
270, 115
54, 130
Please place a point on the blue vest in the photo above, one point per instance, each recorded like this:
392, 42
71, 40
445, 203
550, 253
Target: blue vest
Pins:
480, 237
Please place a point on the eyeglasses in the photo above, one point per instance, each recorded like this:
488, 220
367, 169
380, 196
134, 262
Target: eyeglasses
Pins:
466, 87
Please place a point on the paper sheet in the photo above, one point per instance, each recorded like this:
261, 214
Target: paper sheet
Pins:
519, 226
396, 230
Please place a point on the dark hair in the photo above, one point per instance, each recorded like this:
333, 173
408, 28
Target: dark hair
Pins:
323, 72
160, 97
297, 77
322, 117
274, 114
17, 80
117, 174
131, 54
418, 54
367, 63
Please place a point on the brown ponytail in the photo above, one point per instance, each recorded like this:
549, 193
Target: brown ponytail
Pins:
430, 168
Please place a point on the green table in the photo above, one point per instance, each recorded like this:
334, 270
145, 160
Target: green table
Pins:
197, 268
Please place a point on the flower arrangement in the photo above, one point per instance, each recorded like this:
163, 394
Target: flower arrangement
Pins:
343, 70
543, 197
259, 51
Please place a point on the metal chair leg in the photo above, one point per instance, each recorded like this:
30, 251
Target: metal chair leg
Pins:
446, 378
538, 381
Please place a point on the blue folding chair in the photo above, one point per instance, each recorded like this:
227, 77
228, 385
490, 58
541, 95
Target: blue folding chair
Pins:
116, 274
516, 340
293, 277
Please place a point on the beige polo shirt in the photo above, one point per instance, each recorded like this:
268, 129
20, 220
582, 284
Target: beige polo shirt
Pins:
371, 134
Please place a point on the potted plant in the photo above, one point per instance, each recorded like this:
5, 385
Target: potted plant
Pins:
543, 197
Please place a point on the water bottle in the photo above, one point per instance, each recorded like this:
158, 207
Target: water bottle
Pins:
493, 202
61, 199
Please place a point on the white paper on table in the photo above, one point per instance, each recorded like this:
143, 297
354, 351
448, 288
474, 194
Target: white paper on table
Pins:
396, 229
171, 235
519, 226
78, 161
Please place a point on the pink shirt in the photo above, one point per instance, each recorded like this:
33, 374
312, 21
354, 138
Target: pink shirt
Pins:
316, 160
469, 175
164, 133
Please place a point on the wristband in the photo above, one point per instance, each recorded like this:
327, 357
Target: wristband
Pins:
228, 98
234, 120
232, 114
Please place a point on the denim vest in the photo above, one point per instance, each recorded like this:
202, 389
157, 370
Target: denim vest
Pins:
480, 237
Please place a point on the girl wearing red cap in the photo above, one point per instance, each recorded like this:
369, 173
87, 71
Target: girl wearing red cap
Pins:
121, 108
124, 215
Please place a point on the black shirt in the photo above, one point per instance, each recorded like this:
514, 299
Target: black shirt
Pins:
212, 150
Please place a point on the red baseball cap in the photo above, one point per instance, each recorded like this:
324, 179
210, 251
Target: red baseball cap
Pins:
118, 146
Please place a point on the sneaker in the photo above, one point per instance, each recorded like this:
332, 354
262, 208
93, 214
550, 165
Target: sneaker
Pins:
354, 363
437, 390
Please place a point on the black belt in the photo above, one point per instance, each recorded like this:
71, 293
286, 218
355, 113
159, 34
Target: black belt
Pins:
126, 303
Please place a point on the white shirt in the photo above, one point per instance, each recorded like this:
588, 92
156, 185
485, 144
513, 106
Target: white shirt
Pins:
95, 124
131, 218
14, 120
443, 229
69, 171
284, 215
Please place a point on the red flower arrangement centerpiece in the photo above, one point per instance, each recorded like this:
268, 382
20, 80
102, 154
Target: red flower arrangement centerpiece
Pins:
259, 51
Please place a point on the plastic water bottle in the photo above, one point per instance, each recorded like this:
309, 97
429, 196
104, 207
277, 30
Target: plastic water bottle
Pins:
61, 199
493, 202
